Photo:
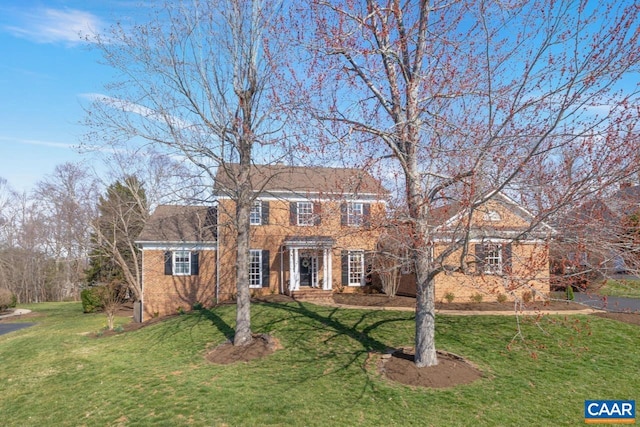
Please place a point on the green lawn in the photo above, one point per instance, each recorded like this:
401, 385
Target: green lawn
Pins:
621, 288
54, 374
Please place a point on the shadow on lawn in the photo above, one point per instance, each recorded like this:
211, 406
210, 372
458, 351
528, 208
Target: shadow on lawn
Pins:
330, 328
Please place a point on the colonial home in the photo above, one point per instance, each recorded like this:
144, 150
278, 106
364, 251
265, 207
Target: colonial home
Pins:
312, 229
506, 258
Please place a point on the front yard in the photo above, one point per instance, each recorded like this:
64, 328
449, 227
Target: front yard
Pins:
56, 373
626, 288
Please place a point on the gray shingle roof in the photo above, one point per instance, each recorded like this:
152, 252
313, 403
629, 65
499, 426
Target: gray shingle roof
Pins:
180, 224
302, 180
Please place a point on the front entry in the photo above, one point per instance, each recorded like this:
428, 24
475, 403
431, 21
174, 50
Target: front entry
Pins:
308, 271
305, 253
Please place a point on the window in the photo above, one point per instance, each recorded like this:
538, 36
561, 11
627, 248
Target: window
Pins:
491, 216
352, 268
182, 263
493, 258
255, 217
355, 214
406, 266
255, 268
305, 213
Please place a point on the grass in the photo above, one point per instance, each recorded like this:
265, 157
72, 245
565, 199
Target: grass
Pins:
620, 288
55, 374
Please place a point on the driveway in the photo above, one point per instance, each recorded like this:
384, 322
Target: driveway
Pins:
5, 328
608, 303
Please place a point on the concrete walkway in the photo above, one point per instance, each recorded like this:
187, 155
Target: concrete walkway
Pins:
16, 312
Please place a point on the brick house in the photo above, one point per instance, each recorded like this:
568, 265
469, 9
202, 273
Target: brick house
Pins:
312, 231
506, 255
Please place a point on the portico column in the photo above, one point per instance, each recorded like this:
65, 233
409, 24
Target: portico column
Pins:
294, 269
329, 256
325, 277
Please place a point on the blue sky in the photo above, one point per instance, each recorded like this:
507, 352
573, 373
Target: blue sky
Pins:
44, 72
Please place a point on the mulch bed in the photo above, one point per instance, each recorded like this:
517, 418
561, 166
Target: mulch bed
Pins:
260, 346
450, 371
381, 300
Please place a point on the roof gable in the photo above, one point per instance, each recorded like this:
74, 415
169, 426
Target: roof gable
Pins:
497, 215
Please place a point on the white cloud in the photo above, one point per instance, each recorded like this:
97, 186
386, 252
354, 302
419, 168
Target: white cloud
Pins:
141, 110
45, 25
62, 145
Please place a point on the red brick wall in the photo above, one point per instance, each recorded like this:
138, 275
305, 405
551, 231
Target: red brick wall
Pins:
164, 294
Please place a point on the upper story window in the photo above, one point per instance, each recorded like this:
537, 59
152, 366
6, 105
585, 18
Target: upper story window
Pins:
255, 217
355, 214
259, 214
305, 213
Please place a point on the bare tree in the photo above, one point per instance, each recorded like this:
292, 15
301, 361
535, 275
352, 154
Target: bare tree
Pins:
67, 200
195, 83
469, 98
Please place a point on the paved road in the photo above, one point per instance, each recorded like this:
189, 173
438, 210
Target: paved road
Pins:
608, 303
5, 328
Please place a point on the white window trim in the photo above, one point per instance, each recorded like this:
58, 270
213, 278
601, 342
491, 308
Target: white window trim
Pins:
360, 253
174, 262
252, 253
256, 208
307, 222
493, 268
355, 219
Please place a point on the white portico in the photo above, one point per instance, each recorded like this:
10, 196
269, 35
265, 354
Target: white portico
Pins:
310, 263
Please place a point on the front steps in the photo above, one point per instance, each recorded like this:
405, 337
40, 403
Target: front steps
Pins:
313, 295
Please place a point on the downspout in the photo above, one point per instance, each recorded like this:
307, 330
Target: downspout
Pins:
281, 270
142, 287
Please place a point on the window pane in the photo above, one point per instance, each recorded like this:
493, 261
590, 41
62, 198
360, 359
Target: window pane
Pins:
182, 263
255, 217
356, 265
493, 258
305, 213
355, 214
255, 268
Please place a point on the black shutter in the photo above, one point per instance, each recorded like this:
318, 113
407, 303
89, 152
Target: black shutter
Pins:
479, 258
265, 268
293, 213
343, 214
195, 264
265, 212
506, 258
344, 261
317, 213
368, 267
366, 212
168, 263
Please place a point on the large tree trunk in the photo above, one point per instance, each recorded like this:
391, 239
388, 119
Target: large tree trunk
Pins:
425, 353
243, 211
